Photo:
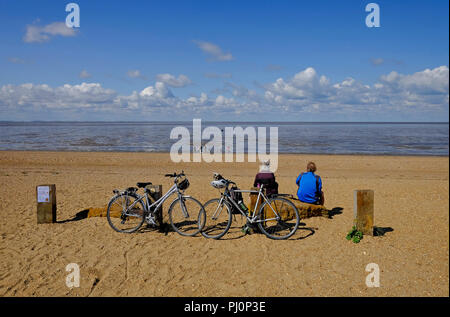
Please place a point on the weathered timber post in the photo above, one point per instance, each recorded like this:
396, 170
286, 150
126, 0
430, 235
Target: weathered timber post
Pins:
46, 203
363, 211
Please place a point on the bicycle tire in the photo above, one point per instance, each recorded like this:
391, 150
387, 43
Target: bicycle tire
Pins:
108, 213
279, 221
200, 219
228, 225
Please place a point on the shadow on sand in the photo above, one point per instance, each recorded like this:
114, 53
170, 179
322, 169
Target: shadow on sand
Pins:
310, 231
335, 211
79, 216
166, 228
331, 213
381, 231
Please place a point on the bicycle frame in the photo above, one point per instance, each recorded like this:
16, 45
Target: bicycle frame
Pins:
148, 207
254, 219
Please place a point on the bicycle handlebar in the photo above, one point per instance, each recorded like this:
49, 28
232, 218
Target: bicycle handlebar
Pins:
217, 176
175, 174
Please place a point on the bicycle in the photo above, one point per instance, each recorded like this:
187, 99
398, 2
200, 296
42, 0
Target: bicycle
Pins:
277, 217
127, 210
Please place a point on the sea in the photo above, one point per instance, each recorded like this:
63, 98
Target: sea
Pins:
369, 138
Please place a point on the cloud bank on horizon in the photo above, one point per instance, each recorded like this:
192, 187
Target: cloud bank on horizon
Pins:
305, 92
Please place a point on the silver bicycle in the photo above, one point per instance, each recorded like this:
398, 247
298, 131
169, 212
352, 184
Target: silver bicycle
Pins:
128, 210
277, 217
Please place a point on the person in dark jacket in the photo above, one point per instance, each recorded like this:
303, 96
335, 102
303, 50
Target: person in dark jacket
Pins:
266, 177
310, 186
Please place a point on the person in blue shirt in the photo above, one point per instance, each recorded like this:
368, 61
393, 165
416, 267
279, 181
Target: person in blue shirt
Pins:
310, 186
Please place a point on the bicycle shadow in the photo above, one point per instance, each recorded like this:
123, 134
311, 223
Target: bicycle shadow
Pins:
301, 226
311, 230
234, 233
78, 216
255, 230
164, 228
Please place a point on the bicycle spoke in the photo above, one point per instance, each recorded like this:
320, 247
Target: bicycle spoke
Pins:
279, 219
126, 219
218, 219
187, 216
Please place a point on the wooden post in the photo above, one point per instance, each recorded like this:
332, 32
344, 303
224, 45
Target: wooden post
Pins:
363, 211
46, 203
156, 193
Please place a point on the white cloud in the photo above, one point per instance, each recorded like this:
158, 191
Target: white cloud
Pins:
214, 51
240, 91
199, 101
84, 74
135, 74
222, 101
421, 90
429, 81
85, 95
377, 61
160, 91
305, 84
173, 81
39, 34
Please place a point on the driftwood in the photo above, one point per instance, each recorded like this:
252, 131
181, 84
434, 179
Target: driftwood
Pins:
286, 212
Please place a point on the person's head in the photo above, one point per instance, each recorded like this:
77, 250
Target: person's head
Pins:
265, 166
311, 167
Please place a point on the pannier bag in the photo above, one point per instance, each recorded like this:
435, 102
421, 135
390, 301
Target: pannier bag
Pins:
237, 197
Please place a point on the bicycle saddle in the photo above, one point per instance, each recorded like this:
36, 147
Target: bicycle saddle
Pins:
142, 185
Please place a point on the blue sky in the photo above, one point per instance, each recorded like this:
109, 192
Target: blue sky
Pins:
224, 60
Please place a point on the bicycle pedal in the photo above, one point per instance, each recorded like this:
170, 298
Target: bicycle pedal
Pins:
151, 226
150, 221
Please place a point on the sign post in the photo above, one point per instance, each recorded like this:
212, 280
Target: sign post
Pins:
46, 203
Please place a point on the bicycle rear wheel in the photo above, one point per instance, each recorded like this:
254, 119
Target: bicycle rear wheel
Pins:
187, 216
121, 217
218, 219
281, 225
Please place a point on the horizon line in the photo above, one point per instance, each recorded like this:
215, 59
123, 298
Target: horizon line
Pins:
218, 121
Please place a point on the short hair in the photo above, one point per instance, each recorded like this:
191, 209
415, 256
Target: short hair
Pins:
311, 167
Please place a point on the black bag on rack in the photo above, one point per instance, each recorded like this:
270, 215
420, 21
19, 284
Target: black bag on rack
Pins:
237, 197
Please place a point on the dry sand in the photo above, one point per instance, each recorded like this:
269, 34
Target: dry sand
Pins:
411, 197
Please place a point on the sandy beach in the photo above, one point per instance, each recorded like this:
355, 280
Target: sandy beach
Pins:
411, 197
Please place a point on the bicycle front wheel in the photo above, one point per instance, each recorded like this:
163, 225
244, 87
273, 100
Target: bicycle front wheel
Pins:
218, 219
121, 217
278, 218
187, 216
